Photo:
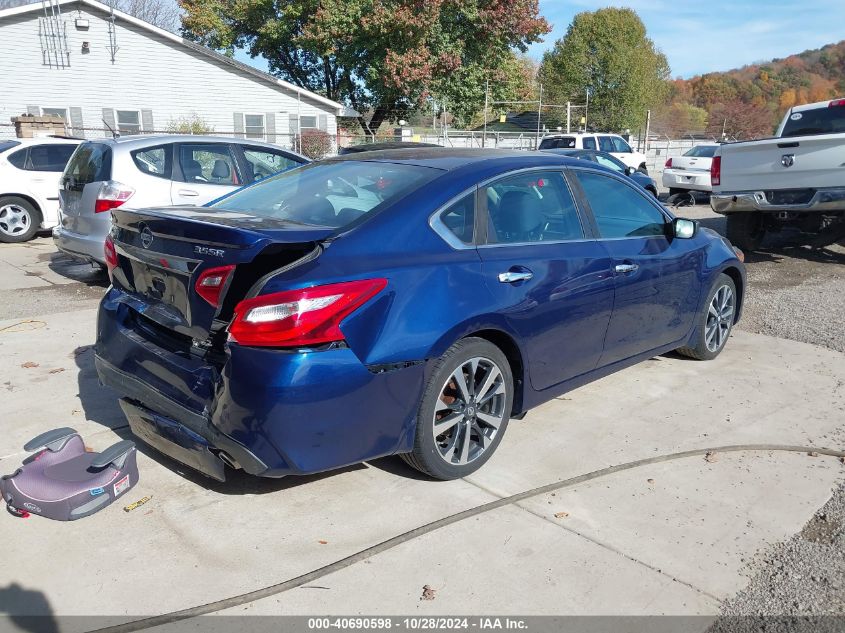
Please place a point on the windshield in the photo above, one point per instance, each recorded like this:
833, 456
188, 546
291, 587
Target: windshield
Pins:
329, 194
824, 120
701, 151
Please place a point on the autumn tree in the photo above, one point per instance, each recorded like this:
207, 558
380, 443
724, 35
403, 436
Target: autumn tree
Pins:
607, 53
385, 57
740, 120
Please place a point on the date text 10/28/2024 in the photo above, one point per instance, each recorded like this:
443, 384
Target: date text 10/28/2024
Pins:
418, 623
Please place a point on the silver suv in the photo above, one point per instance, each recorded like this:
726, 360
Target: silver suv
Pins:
146, 171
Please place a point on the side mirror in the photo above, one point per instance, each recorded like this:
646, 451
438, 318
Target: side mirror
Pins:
684, 229
630, 171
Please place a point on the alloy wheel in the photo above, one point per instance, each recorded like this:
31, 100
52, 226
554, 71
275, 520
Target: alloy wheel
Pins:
14, 220
720, 316
469, 411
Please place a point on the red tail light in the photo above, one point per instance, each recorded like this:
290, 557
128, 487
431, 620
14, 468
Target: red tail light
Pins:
112, 194
668, 164
836, 103
110, 253
716, 171
308, 316
211, 283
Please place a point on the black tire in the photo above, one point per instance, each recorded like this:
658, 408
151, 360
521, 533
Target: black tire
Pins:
703, 348
19, 219
745, 230
643, 169
674, 191
441, 395
652, 191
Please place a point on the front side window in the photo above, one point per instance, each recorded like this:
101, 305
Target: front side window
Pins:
209, 163
328, 194
589, 142
610, 162
128, 121
18, 159
51, 157
620, 146
254, 125
620, 210
154, 161
606, 144
264, 162
532, 206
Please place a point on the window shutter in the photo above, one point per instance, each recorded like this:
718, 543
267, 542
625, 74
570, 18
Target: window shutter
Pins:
270, 127
239, 124
108, 119
147, 121
76, 123
322, 122
34, 110
294, 124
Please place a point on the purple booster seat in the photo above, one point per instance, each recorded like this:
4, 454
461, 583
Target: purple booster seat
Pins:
64, 482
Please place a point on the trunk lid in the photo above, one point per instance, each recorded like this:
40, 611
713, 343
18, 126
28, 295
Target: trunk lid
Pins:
692, 163
162, 252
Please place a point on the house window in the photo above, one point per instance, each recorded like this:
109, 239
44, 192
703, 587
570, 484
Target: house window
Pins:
254, 125
306, 122
61, 113
128, 121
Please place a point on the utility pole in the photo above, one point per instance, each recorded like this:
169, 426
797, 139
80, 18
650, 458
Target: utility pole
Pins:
539, 112
647, 128
586, 109
568, 113
486, 96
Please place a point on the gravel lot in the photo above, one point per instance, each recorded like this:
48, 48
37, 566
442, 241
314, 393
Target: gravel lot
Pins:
793, 291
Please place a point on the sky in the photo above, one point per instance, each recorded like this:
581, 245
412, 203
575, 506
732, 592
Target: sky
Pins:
699, 36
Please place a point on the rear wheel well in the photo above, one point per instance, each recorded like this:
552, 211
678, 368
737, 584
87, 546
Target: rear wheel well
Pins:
735, 275
511, 351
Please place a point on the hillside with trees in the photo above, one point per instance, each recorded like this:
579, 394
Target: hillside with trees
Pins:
750, 101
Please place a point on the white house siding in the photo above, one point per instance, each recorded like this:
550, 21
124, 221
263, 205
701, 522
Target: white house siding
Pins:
151, 74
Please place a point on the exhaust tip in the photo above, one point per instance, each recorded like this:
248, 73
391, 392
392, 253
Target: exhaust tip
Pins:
228, 460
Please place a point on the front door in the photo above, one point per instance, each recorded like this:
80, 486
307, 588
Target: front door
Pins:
205, 172
556, 284
656, 280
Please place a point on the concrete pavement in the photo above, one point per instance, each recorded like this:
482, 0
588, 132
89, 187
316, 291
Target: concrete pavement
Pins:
669, 538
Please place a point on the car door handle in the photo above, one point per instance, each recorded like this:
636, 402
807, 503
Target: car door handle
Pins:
188, 192
513, 276
626, 268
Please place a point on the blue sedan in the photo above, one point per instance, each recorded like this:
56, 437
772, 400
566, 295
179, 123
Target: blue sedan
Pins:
405, 302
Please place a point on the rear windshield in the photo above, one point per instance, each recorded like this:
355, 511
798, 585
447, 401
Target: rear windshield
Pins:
701, 151
825, 120
562, 142
330, 194
4, 145
91, 162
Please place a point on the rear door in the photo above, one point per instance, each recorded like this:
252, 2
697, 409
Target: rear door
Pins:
655, 278
553, 283
203, 172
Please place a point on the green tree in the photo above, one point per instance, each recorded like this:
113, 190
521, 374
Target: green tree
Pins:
607, 53
385, 57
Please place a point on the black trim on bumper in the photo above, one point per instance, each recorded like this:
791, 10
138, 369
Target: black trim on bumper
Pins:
132, 388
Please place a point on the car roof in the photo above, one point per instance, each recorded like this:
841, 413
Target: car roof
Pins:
43, 140
372, 147
135, 141
576, 134
448, 159
812, 106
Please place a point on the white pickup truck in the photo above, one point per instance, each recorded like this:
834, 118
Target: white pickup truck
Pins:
796, 179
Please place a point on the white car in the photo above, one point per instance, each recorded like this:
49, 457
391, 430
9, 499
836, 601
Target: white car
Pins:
690, 172
29, 184
611, 143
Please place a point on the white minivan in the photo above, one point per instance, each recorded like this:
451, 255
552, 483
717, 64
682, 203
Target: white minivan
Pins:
611, 143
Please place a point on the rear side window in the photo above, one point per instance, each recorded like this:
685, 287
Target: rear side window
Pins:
155, 161
825, 120
210, 163
330, 194
620, 210
90, 163
459, 218
49, 157
531, 207
588, 142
